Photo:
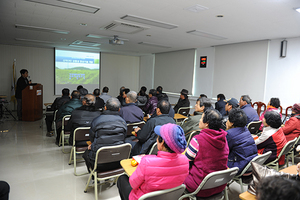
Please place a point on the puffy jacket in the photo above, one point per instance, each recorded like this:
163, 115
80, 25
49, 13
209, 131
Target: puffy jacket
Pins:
251, 113
212, 156
220, 106
107, 130
142, 100
192, 123
291, 128
164, 171
263, 115
59, 101
242, 148
151, 105
131, 113
146, 135
81, 117
67, 108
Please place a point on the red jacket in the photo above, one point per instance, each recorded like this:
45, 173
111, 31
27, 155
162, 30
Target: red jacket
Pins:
291, 128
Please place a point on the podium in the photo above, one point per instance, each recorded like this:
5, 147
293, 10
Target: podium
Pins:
32, 102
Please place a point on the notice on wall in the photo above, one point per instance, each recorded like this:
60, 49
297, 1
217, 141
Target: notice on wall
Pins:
39, 92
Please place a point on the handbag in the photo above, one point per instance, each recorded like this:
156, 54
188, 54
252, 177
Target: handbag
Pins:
259, 172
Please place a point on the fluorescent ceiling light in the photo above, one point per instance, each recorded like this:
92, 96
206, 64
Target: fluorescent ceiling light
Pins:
207, 35
35, 28
104, 37
196, 8
149, 22
87, 47
153, 45
29, 40
298, 10
83, 43
68, 5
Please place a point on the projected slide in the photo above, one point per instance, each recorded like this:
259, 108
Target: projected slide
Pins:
73, 68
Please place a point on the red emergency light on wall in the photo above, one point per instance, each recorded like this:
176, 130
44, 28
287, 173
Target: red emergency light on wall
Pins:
203, 61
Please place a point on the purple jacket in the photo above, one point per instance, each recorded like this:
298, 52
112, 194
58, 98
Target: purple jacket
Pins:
131, 113
212, 156
151, 105
251, 113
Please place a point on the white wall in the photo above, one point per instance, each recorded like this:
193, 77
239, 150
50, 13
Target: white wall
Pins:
283, 74
147, 71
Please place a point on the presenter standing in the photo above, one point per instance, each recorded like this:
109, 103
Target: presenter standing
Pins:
21, 85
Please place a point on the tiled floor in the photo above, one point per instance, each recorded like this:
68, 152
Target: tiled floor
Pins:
36, 168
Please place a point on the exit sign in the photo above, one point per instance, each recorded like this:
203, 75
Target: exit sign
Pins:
203, 61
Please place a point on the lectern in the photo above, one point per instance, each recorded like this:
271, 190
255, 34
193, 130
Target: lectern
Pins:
32, 102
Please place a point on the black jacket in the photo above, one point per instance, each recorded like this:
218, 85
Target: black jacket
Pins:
220, 106
21, 85
146, 135
81, 117
99, 103
59, 101
182, 103
107, 130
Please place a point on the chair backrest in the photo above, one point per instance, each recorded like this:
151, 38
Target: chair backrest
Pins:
81, 134
173, 193
132, 126
184, 111
253, 127
287, 147
288, 112
114, 153
259, 105
192, 134
280, 109
260, 159
154, 149
65, 120
216, 179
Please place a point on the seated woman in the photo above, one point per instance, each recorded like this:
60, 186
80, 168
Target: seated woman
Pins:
272, 137
151, 104
273, 104
142, 98
242, 148
167, 169
291, 128
192, 123
207, 152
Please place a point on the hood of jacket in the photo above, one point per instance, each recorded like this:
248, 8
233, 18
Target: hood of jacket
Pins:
216, 138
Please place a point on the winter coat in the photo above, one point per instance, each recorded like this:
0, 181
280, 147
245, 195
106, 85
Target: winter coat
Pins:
291, 128
192, 123
164, 171
67, 108
220, 106
151, 105
251, 113
131, 113
181, 103
59, 101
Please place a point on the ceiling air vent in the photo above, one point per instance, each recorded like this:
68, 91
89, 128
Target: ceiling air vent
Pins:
83, 43
123, 27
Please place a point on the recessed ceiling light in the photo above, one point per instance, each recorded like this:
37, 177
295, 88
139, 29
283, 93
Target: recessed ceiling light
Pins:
79, 46
297, 9
35, 28
153, 45
83, 24
207, 35
29, 40
149, 21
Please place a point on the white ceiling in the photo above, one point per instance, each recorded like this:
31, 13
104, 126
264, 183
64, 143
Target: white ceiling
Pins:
244, 20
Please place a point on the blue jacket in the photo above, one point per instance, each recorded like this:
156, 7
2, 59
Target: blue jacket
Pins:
131, 113
251, 113
242, 148
220, 106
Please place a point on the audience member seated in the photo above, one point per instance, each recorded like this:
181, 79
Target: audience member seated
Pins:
142, 98
160, 95
171, 112
245, 104
83, 91
167, 169
291, 128
99, 104
58, 102
151, 104
146, 136
220, 104
272, 137
207, 152
106, 130
120, 96
192, 123
67, 109
273, 104
278, 188
83, 116
242, 148
144, 89
4, 190
130, 112
203, 95
124, 95
230, 104
104, 94
183, 100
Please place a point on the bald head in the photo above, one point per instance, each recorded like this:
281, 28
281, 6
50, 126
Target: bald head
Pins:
132, 96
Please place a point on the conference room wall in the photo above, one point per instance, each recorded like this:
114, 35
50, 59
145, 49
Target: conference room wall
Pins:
146, 75
283, 73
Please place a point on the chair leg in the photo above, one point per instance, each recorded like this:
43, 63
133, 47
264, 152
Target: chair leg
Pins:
226, 193
293, 157
75, 163
95, 185
60, 138
88, 182
241, 183
71, 154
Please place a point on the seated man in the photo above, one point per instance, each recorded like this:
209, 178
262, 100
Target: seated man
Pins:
220, 104
160, 95
58, 102
99, 104
124, 95
83, 116
66, 109
104, 94
130, 112
192, 123
146, 135
230, 104
106, 130
183, 100
242, 148
245, 105
83, 91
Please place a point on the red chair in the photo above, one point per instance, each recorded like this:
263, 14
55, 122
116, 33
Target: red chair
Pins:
259, 105
287, 113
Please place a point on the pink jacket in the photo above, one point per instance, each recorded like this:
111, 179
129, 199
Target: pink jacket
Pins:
263, 115
164, 171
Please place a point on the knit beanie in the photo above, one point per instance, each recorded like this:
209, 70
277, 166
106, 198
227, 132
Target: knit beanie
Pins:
173, 135
296, 108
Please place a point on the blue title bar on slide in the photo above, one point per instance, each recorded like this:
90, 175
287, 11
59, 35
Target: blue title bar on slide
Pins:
74, 60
